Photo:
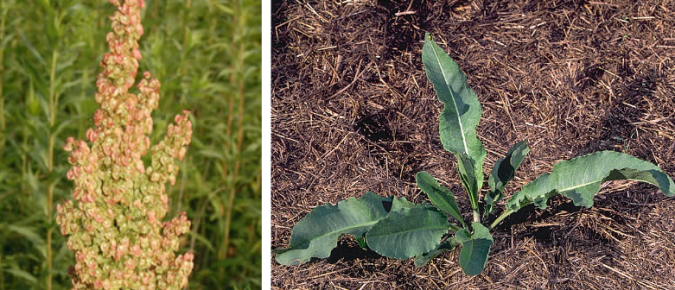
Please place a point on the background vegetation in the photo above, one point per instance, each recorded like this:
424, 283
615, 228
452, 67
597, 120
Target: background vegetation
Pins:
207, 56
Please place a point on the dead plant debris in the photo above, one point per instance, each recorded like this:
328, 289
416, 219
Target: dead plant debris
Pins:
352, 112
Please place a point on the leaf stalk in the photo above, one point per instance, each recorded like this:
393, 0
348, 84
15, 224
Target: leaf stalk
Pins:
454, 228
506, 214
500, 218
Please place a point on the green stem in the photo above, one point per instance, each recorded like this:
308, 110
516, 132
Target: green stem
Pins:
186, 19
2, 274
2, 73
500, 218
235, 80
240, 139
473, 196
53, 97
507, 213
454, 228
473, 199
53, 105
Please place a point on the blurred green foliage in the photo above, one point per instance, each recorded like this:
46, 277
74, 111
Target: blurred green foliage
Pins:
206, 54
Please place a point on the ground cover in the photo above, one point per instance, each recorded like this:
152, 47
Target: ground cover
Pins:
353, 112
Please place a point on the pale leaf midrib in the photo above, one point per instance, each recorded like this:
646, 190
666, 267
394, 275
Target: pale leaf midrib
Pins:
470, 249
454, 104
441, 227
585, 184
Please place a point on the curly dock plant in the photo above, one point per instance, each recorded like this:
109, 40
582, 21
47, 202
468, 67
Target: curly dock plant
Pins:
399, 229
115, 222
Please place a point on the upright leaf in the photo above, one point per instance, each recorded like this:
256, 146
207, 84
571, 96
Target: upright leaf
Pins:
580, 179
317, 233
475, 248
440, 196
461, 112
503, 172
470, 179
408, 232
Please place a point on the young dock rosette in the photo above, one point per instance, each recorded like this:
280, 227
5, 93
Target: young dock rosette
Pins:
114, 222
397, 228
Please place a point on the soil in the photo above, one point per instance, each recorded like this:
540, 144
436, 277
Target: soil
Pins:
352, 112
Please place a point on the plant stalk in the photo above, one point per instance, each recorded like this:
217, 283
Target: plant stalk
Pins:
186, 18
501, 217
507, 213
53, 105
240, 139
3, 125
235, 80
2, 274
473, 196
476, 215
454, 228
222, 254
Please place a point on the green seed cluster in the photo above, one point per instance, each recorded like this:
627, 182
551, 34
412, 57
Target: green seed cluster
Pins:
114, 221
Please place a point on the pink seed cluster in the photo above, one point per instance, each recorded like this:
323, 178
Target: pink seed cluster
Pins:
114, 223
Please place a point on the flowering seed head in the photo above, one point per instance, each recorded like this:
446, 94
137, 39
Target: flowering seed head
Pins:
114, 222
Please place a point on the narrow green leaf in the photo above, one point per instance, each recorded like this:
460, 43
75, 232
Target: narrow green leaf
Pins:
440, 196
21, 274
60, 127
204, 241
475, 248
317, 233
581, 177
408, 232
28, 233
212, 154
446, 246
503, 172
461, 112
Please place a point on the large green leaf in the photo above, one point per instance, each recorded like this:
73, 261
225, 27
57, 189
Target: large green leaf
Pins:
408, 232
581, 177
475, 248
440, 196
446, 246
317, 233
461, 112
503, 171
397, 203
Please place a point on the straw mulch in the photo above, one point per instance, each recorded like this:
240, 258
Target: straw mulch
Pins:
352, 111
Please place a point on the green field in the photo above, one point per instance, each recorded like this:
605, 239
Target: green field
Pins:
207, 56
